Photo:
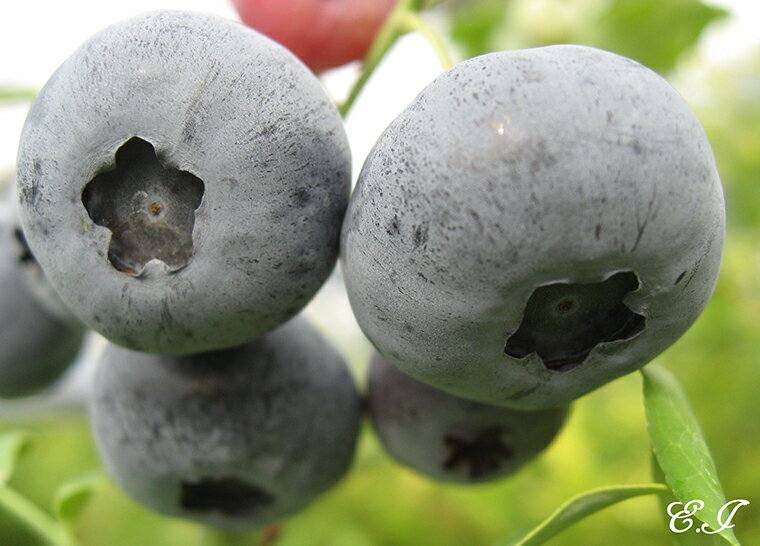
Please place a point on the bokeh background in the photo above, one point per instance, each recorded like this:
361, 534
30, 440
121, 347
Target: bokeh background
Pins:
709, 51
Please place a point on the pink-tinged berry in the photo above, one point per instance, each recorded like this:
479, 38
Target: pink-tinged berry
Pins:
322, 33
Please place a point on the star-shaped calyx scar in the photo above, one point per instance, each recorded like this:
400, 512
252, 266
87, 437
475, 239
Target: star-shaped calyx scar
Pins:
149, 208
479, 455
563, 322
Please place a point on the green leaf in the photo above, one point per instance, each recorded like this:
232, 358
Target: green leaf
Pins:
680, 447
653, 32
31, 517
584, 505
72, 497
475, 22
12, 446
681, 539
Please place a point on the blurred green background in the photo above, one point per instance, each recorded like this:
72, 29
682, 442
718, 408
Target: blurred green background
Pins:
605, 441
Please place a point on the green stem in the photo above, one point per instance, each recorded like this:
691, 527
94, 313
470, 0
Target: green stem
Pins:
402, 19
218, 537
584, 505
386, 37
414, 23
11, 94
32, 517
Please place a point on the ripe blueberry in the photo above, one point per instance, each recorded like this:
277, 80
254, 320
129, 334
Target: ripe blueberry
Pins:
234, 438
182, 181
535, 224
450, 438
36, 345
36, 281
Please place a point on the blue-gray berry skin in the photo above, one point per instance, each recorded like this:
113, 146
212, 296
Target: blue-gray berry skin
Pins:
36, 280
235, 438
182, 180
535, 224
36, 346
449, 438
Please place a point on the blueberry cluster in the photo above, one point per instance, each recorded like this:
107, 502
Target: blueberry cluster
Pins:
535, 224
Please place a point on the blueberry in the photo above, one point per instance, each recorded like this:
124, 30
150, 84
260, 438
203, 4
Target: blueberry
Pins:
36, 281
535, 224
450, 438
182, 181
233, 438
36, 346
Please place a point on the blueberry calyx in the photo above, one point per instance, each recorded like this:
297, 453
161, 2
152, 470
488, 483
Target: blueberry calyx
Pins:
563, 322
480, 455
228, 496
148, 207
